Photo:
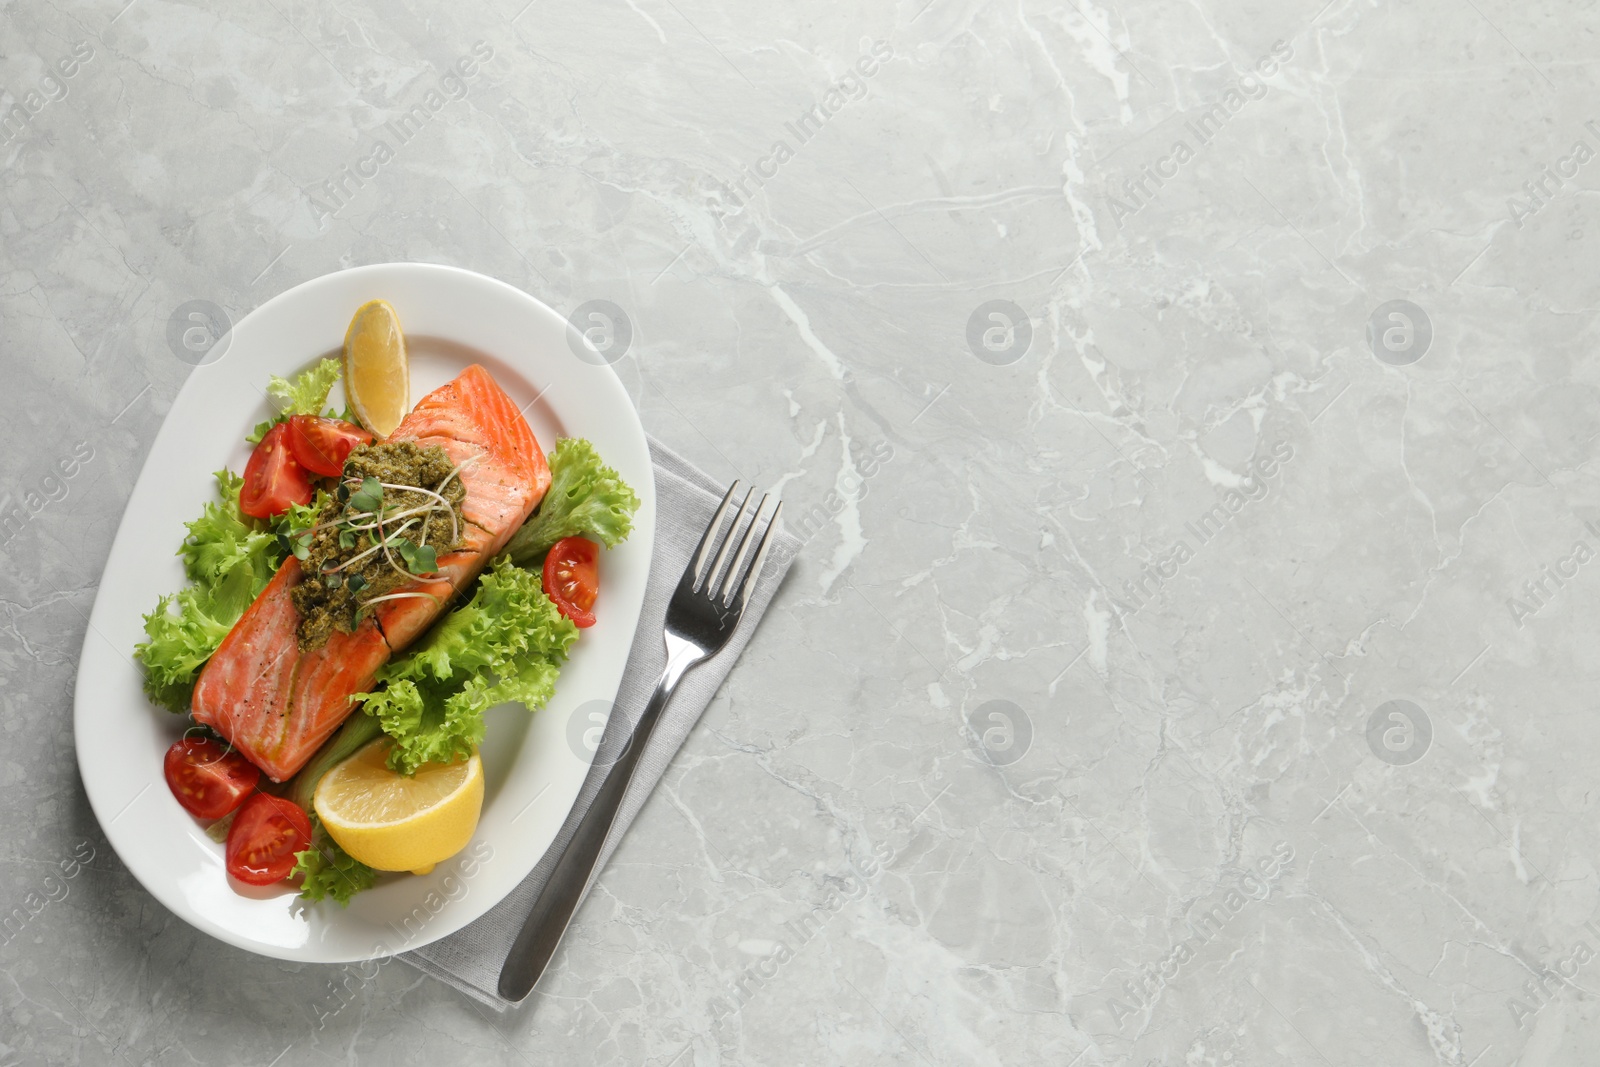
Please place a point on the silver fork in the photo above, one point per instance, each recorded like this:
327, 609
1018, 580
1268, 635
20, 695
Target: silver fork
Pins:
702, 614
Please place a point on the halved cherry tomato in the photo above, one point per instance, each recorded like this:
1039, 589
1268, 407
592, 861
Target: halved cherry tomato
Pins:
265, 835
208, 780
273, 479
572, 578
321, 445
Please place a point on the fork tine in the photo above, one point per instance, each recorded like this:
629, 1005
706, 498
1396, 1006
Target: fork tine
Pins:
749, 583
727, 543
698, 560
729, 582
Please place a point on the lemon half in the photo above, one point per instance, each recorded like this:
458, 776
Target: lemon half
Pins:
377, 375
394, 823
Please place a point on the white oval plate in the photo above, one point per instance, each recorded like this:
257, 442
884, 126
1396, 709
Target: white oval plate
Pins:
452, 318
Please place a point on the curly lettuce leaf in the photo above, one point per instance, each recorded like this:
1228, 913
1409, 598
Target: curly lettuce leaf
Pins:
228, 560
293, 527
306, 394
507, 644
330, 871
223, 539
586, 498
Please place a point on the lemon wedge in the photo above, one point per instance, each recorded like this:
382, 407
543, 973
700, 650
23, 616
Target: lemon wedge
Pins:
394, 823
377, 376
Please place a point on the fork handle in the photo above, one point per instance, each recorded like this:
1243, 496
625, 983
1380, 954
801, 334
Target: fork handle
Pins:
558, 901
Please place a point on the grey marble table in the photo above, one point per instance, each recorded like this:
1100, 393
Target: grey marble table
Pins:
1190, 410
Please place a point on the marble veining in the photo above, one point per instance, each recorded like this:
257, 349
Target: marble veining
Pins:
1189, 409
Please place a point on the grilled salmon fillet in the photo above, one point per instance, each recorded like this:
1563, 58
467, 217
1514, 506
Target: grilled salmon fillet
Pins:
277, 704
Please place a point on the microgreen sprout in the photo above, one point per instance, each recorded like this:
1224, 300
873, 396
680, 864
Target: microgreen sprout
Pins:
369, 497
374, 541
420, 559
366, 604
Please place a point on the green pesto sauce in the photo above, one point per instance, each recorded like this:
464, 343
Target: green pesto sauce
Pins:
325, 599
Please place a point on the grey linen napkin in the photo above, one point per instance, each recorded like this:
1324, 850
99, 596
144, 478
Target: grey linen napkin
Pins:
686, 498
